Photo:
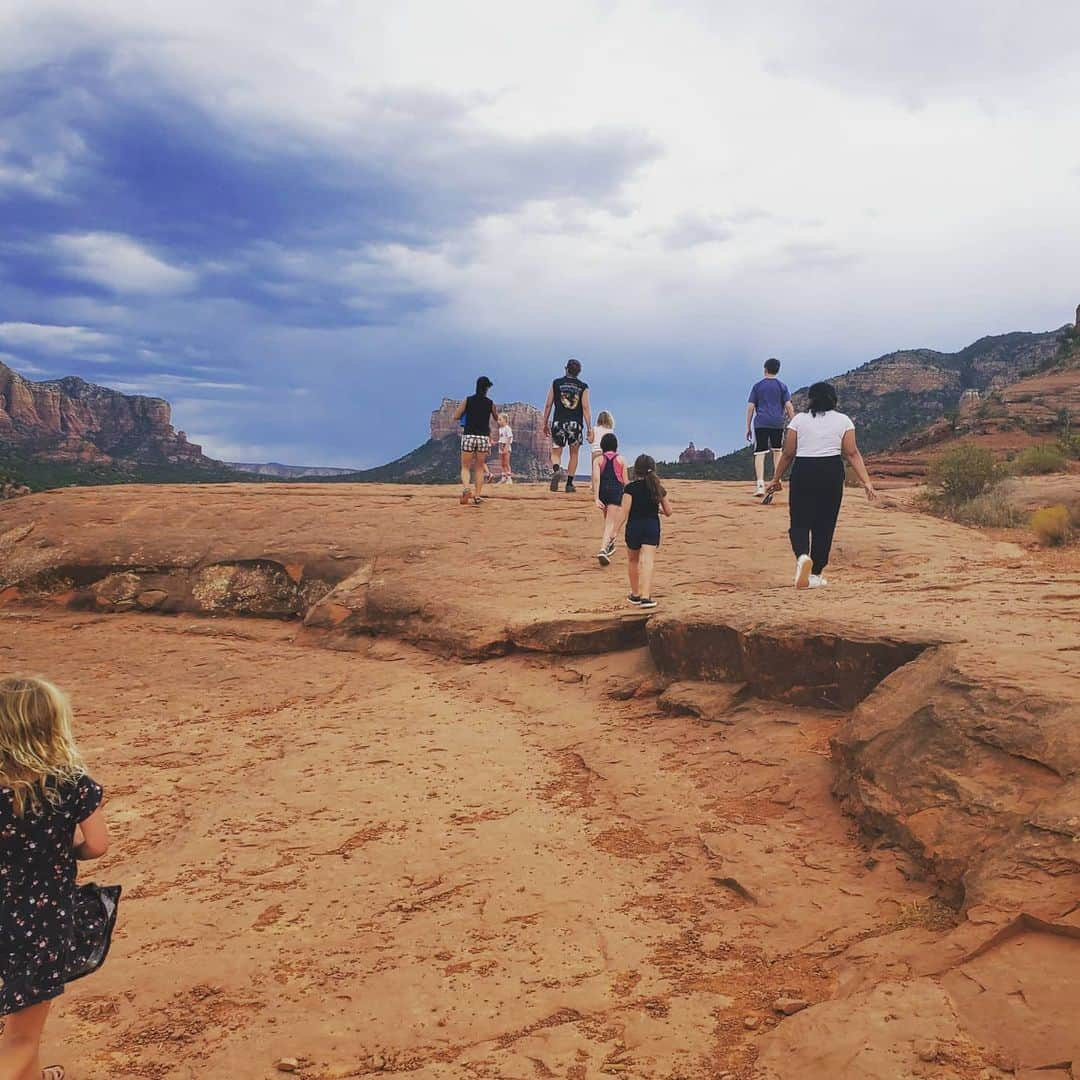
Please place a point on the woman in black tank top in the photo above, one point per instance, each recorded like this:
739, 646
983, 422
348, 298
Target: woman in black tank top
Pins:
475, 413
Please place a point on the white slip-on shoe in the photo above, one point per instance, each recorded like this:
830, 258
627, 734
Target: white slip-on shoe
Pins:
803, 565
817, 581
759, 490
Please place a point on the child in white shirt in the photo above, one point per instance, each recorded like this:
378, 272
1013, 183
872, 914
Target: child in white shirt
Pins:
506, 441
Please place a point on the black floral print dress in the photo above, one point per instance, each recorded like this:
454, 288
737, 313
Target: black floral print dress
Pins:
46, 922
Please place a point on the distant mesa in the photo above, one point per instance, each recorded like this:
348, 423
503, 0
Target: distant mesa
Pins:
286, 472
75, 422
692, 454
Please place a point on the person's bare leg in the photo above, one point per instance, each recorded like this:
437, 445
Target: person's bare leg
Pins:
479, 468
466, 471
759, 468
20, 1045
556, 456
571, 467
776, 455
645, 570
611, 516
632, 568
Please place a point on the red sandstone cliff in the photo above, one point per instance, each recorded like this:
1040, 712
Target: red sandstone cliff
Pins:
76, 421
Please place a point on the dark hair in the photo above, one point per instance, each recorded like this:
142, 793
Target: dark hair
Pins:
772, 365
573, 368
609, 442
483, 384
645, 469
822, 397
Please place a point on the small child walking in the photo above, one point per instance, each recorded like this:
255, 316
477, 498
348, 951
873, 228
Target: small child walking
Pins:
608, 483
605, 425
644, 500
51, 931
506, 442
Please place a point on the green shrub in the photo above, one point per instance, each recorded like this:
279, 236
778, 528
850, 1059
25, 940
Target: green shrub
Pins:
1051, 525
1039, 460
962, 473
991, 510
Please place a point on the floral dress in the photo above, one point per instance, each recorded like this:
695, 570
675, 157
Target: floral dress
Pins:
45, 920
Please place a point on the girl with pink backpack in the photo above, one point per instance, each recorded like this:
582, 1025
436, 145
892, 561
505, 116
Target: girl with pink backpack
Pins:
608, 481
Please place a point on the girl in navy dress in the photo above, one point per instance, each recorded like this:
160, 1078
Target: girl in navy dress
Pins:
50, 815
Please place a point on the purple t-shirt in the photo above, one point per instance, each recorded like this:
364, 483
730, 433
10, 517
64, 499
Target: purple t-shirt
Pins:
768, 397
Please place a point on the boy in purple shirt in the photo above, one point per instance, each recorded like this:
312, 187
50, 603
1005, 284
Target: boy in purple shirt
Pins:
767, 409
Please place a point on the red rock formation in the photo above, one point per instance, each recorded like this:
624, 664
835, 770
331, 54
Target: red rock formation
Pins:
530, 459
692, 453
73, 420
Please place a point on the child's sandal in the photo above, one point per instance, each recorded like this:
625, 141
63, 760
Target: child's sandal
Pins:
53, 1072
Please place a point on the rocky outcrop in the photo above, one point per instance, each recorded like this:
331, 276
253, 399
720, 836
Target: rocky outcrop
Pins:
530, 458
693, 454
72, 420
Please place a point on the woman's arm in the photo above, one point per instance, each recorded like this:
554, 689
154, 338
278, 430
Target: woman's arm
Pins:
791, 446
855, 460
460, 411
95, 837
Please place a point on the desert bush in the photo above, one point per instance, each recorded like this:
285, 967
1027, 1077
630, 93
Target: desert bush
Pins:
991, 510
962, 473
1052, 525
1039, 460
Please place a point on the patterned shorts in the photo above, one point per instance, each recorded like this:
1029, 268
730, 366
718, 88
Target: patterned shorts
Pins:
565, 433
475, 444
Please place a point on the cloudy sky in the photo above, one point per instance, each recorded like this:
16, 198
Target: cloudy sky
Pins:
303, 224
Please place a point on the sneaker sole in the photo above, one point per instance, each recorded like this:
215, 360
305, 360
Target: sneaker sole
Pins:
802, 575
648, 606
555, 482
604, 559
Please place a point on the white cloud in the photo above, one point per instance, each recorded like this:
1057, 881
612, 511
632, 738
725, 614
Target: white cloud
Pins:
120, 263
57, 340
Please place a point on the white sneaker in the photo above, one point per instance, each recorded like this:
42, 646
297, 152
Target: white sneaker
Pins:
759, 490
816, 581
803, 566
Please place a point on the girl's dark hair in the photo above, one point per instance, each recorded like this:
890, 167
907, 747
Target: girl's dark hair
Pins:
822, 397
609, 442
483, 385
645, 469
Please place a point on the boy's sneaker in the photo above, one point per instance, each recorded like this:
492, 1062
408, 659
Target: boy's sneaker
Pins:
634, 599
604, 556
570, 486
556, 476
803, 565
817, 580
647, 601
759, 490
609, 549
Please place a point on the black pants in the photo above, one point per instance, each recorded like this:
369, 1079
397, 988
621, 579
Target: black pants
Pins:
816, 491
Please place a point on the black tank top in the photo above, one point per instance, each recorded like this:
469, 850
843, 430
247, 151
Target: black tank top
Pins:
478, 412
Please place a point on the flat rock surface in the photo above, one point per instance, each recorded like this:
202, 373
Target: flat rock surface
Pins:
342, 845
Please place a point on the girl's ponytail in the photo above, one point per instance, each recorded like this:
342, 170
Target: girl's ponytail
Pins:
645, 469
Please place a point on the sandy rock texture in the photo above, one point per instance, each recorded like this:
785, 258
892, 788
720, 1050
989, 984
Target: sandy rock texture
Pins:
390, 798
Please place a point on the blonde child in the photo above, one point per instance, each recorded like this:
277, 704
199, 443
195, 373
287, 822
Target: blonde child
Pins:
608, 483
644, 500
50, 816
605, 425
506, 441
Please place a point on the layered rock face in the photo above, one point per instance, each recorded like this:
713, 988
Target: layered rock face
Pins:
692, 453
530, 458
73, 420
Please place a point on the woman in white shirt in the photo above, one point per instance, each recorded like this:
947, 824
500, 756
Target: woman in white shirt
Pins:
817, 442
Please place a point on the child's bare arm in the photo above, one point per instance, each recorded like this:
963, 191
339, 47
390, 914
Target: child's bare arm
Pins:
95, 836
665, 506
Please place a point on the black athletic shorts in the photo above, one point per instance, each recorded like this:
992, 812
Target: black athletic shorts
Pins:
642, 531
768, 438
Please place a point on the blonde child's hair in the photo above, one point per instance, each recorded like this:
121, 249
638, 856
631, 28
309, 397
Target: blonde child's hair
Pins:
605, 419
504, 419
37, 748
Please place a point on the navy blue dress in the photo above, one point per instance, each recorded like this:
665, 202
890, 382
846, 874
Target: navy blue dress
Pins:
45, 921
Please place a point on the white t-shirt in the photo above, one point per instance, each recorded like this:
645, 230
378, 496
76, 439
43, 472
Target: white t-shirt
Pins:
821, 435
506, 435
598, 434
